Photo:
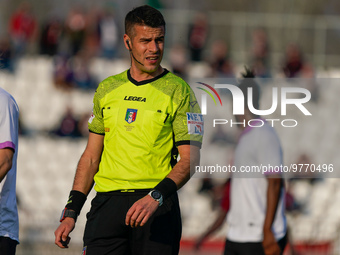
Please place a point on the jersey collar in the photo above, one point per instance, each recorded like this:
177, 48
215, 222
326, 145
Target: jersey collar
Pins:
137, 83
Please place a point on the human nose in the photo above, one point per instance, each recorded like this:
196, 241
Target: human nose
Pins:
153, 46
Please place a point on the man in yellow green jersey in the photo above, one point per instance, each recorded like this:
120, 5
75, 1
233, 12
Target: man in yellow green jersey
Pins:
142, 119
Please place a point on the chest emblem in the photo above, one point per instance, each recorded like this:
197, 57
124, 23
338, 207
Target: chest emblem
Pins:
130, 115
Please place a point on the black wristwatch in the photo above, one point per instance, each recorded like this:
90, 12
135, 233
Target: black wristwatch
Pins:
68, 213
156, 195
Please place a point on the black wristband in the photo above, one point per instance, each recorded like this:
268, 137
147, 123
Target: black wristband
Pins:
76, 201
166, 187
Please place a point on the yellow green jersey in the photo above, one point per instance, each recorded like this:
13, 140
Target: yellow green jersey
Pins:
142, 123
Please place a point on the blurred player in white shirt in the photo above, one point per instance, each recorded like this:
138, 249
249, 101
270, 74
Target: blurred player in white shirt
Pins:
256, 220
9, 225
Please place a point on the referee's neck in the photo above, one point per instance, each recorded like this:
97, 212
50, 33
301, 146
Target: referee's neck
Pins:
141, 75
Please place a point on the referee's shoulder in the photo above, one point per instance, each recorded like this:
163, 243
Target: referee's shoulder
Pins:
112, 81
176, 81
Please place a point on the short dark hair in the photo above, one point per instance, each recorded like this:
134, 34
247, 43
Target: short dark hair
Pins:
143, 15
249, 82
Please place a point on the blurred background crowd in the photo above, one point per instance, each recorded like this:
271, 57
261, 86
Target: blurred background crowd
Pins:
54, 54
292, 38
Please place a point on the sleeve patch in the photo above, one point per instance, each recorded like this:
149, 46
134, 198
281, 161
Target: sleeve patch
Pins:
195, 123
91, 118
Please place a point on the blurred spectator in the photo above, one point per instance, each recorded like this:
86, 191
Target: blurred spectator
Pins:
83, 128
304, 172
22, 130
155, 4
81, 75
50, 37
178, 60
260, 53
206, 185
92, 32
74, 72
211, 189
68, 125
292, 205
62, 72
6, 55
220, 62
22, 28
295, 65
198, 36
75, 29
108, 31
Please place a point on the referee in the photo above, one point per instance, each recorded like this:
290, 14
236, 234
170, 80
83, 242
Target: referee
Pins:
142, 119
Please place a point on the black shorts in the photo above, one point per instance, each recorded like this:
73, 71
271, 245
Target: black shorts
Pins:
7, 246
106, 232
253, 248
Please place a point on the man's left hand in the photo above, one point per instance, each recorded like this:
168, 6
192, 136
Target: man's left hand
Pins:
141, 211
269, 244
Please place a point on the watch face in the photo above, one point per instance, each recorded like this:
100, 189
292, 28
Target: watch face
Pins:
156, 194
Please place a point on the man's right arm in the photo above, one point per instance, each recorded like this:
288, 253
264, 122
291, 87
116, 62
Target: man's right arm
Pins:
88, 164
83, 182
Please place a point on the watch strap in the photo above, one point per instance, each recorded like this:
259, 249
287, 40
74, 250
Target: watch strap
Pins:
68, 213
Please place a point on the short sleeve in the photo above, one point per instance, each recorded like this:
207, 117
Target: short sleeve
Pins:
188, 121
96, 122
9, 117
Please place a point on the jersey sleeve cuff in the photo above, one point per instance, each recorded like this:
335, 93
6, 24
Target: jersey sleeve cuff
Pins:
96, 133
188, 142
7, 144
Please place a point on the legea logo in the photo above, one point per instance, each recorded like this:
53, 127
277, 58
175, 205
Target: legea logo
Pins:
239, 102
